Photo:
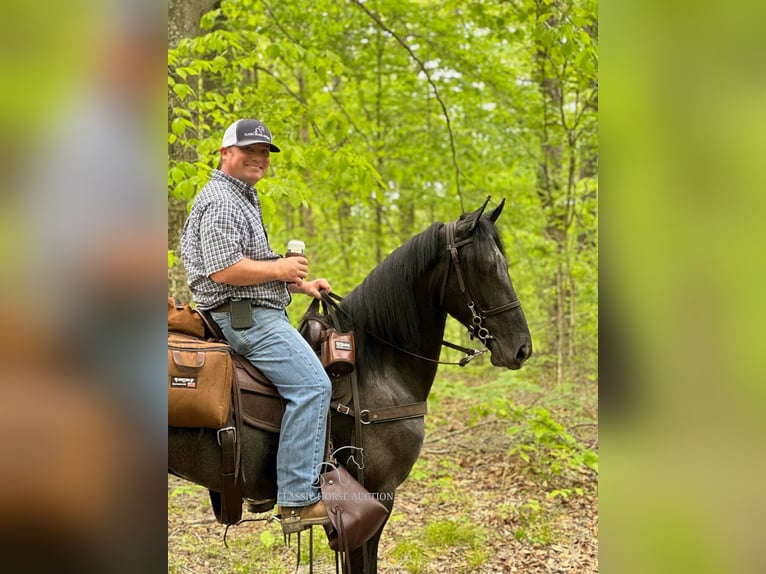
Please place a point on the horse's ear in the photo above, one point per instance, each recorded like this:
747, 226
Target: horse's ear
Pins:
468, 222
495, 213
476, 215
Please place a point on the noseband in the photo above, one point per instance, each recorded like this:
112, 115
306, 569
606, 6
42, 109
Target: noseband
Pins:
478, 314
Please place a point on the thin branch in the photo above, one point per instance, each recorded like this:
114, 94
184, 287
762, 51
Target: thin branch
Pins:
422, 67
282, 83
350, 120
279, 24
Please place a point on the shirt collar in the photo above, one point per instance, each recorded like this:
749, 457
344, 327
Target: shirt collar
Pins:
241, 186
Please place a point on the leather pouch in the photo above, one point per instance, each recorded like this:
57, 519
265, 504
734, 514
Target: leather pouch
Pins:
314, 324
356, 514
338, 352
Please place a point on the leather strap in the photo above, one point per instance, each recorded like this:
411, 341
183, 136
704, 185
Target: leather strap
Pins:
212, 327
383, 414
227, 504
215, 331
358, 442
397, 413
343, 540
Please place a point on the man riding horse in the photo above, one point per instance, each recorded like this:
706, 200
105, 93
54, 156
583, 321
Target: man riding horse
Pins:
235, 275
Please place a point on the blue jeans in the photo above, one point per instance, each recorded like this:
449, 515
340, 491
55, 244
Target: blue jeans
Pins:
274, 346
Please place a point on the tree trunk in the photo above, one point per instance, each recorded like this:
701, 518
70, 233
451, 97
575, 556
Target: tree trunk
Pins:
183, 22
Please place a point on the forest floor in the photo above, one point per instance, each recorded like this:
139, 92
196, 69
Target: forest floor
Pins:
472, 504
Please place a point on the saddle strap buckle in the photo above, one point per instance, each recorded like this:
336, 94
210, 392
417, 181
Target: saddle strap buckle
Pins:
226, 429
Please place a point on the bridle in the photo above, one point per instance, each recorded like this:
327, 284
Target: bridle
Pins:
478, 314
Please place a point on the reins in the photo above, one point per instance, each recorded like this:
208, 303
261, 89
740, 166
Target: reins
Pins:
471, 354
478, 314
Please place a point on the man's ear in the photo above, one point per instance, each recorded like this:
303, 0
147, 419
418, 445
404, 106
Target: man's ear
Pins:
224, 154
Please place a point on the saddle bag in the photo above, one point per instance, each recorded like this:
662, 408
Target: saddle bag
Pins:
200, 375
183, 319
356, 515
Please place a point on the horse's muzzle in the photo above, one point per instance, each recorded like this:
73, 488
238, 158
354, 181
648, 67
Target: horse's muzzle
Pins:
500, 357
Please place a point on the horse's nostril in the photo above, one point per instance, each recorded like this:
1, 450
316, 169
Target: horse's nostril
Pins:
524, 352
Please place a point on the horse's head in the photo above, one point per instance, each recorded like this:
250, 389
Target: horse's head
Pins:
477, 288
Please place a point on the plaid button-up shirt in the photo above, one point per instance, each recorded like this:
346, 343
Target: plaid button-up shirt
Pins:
224, 226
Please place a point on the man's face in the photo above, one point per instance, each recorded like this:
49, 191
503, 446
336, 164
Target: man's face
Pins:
248, 163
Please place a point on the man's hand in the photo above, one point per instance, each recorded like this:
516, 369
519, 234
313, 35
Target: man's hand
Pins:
311, 287
292, 269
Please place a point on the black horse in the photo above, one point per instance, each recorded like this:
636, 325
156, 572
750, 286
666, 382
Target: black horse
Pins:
399, 314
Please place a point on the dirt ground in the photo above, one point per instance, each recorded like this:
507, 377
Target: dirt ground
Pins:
468, 506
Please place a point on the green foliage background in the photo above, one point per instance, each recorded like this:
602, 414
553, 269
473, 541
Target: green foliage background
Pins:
395, 113
392, 114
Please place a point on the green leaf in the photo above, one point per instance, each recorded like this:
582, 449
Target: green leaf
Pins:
273, 51
208, 20
176, 174
184, 190
182, 90
267, 539
178, 126
269, 208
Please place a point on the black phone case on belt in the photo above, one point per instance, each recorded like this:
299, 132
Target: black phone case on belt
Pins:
241, 316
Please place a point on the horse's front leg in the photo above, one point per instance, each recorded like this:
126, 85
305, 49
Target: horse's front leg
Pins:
358, 564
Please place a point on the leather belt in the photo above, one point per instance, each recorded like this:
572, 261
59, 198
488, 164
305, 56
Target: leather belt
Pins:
224, 307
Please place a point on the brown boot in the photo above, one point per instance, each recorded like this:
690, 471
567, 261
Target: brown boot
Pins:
295, 519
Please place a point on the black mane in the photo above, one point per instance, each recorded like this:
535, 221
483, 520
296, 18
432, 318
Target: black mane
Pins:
384, 303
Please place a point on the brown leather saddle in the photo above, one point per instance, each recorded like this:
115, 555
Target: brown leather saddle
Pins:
259, 404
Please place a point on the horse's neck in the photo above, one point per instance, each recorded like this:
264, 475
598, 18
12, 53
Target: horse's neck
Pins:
398, 315
406, 370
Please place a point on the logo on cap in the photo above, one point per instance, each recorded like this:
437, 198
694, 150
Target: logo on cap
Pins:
258, 132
